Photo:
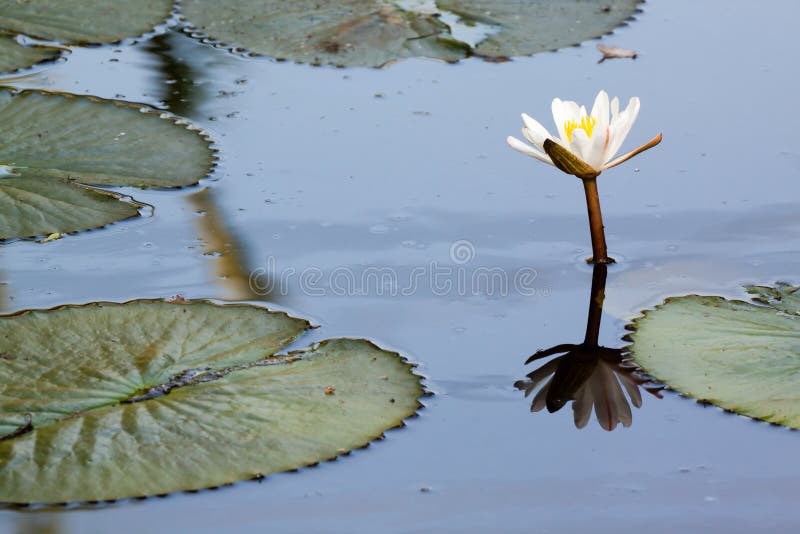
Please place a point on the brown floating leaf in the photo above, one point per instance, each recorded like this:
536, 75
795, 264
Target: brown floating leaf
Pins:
613, 52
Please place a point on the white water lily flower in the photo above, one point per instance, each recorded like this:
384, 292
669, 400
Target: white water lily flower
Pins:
587, 142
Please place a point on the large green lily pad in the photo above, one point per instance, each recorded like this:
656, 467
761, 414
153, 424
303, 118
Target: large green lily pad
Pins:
82, 21
14, 57
743, 357
105, 401
54, 142
377, 32
345, 33
527, 27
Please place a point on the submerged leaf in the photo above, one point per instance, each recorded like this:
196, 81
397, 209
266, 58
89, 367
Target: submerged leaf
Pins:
343, 33
82, 21
106, 401
740, 356
52, 140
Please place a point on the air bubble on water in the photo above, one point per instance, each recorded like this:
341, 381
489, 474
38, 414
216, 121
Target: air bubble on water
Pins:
378, 229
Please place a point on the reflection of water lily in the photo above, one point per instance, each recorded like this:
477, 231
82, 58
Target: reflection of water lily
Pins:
586, 146
591, 377
587, 374
593, 138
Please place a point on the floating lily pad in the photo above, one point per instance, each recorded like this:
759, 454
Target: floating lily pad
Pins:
83, 21
14, 57
345, 33
106, 401
740, 356
376, 32
526, 27
53, 142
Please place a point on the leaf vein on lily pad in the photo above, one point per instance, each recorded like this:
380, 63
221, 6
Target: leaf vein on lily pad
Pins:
234, 410
54, 142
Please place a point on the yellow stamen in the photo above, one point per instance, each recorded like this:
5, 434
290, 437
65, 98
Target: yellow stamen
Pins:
587, 125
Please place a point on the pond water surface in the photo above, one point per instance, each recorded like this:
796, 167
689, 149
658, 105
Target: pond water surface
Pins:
334, 171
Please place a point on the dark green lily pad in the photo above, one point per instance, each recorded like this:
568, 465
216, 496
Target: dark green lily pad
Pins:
14, 57
376, 32
740, 356
527, 27
82, 21
54, 142
343, 33
106, 401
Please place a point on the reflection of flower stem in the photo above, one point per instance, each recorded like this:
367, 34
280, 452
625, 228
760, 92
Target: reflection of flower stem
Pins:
599, 252
598, 295
229, 261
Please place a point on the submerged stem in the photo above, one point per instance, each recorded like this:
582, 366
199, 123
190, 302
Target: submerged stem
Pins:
599, 251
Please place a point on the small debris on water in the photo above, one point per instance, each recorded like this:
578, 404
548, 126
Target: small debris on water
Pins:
52, 237
615, 52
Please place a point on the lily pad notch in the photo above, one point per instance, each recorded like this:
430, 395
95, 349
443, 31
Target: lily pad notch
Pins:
374, 33
743, 357
185, 395
59, 148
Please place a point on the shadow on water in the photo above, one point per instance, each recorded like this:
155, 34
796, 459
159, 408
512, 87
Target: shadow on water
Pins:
228, 254
588, 374
44, 524
182, 95
179, 90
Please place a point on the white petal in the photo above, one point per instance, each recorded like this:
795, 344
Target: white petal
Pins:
600, 109
614, 109
559, 118
621, 127
580, 145
598, 146
534, 131
528, 150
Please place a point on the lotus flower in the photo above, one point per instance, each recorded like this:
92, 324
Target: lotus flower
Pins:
586, 146
587, 142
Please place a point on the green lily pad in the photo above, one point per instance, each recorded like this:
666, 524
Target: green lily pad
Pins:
106, 401
83, 21
343, 33
743, 357
54, 142
376, 32
527, 27
14, 57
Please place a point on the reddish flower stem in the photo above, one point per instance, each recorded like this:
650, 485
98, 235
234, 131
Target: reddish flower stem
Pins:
599, 250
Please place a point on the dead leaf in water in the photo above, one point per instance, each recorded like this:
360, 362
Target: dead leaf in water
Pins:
614, 52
